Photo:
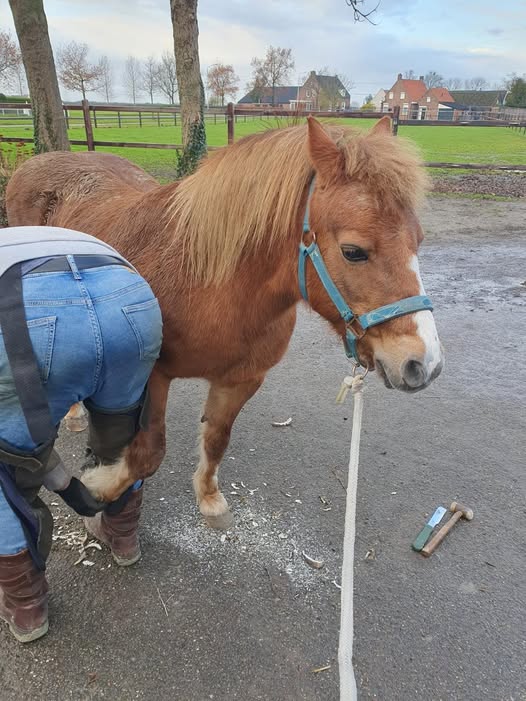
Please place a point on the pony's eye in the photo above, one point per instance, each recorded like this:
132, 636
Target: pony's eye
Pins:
354, 254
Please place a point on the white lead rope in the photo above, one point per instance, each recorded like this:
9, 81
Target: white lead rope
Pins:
347, 681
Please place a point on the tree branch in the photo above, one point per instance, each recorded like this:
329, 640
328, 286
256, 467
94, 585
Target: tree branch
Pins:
359, 15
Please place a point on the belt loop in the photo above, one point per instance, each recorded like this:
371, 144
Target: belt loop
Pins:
73, 267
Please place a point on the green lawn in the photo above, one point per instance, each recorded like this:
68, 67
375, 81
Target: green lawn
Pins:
497, 145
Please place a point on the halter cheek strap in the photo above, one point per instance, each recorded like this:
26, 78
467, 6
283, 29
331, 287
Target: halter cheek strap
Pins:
355, 326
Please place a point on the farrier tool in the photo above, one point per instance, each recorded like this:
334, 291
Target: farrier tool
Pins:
422, 538
459, 511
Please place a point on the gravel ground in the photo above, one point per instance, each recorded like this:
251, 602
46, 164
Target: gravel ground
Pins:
239, 616
483, 183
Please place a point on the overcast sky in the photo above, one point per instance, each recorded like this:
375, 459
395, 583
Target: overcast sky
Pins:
464, 38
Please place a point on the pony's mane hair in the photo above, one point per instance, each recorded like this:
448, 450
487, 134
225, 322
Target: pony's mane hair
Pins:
250, 193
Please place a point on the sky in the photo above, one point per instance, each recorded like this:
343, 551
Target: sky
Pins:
465, 38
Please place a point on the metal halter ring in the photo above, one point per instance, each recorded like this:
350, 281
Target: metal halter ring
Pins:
355, 368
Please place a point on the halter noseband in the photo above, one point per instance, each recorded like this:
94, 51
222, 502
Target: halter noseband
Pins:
355, 326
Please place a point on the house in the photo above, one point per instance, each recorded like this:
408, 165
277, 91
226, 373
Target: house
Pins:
323, 92
263, 97
318, 92
480, 100
406, 94
432, 102
379, 99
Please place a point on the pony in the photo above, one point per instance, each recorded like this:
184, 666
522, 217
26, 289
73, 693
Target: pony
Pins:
220, 250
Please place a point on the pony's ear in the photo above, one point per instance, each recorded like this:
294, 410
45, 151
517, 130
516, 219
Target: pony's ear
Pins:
383, 126
325, 156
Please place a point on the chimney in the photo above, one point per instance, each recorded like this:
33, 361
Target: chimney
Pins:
312, 73
421, 77
399, 76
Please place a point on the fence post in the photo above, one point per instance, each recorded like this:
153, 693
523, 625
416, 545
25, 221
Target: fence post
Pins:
119, 118
87, 125
67, 117
140, 118
175, 118
395, 119
95, 117
230, 122
158, 119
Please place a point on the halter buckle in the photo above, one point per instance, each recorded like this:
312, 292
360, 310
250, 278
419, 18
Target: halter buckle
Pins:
354, 326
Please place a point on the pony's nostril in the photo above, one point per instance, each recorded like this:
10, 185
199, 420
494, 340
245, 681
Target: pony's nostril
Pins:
413, 373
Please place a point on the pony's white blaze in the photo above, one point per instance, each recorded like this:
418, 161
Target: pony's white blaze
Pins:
425, 326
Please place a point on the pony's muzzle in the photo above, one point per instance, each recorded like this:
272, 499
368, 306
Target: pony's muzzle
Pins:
413, 373
416, 375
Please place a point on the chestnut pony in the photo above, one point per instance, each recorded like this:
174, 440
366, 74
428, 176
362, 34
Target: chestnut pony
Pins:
220, 250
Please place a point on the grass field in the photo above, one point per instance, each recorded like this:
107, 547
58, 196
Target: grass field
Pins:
497, 145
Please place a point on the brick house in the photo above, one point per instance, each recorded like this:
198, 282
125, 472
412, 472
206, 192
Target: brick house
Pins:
323, 92
431, 101
319, 92
405, 94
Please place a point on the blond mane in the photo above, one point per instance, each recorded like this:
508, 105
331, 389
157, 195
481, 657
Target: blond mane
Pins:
249, 194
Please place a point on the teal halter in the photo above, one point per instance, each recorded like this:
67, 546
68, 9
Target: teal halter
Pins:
355, 326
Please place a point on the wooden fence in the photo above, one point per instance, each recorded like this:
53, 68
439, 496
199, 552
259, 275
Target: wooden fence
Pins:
231, 115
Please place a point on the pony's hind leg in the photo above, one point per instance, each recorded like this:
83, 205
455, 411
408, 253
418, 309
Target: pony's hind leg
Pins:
76, 419
144, 454
222, 406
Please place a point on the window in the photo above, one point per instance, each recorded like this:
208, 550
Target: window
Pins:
402, 95
405, 109
429, 99
307, 93
391, 95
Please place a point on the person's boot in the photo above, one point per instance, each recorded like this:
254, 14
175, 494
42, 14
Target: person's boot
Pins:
119, 532
23, 597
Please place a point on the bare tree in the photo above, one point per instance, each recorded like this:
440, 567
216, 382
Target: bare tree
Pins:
150, 76
273, 70
454, 83
410, 74
106, 78
191, 89
75, 71
166, 77
222, 80
8, 57
433, 79
478, 83
18, 73
132, 78
359, 14
50, 132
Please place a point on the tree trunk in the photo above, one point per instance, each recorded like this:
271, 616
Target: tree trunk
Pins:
37, 55
191, 89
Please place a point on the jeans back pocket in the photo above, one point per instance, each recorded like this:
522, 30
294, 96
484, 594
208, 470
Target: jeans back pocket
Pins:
146, 321
42, 334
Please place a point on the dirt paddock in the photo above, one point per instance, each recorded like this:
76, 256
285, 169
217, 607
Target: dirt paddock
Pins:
240, 615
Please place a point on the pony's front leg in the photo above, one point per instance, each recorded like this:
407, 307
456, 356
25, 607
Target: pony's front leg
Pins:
222, 406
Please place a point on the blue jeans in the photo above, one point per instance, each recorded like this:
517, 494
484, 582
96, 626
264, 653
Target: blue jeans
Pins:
96, 334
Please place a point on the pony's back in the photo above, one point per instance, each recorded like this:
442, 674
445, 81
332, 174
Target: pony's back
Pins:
42, 182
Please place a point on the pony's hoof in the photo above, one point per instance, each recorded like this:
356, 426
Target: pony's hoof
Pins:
76, 423
222, 522
214, 508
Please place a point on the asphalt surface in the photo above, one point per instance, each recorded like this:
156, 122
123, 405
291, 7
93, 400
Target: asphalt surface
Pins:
243, 617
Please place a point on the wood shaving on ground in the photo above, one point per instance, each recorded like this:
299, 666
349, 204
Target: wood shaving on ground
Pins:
321, 669
315, 564
278, 424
